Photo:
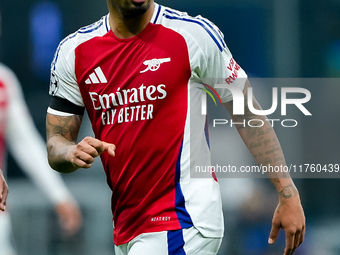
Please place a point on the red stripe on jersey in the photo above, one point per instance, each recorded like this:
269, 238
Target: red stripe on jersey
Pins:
136, 94
3, 121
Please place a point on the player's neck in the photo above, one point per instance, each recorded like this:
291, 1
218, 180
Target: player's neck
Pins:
129, 27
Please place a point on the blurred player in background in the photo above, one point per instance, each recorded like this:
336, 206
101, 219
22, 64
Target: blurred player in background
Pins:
135, 71
20, 136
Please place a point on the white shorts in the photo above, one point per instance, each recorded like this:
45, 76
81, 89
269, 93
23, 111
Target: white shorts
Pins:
175, 242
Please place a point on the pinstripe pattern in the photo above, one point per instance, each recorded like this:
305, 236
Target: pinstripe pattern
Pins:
215, 34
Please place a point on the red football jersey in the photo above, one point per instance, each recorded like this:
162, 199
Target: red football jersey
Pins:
142, 95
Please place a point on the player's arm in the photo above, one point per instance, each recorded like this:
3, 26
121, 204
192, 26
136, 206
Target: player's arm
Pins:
61, 135
265, 148
3, 191
64, 117
64, 153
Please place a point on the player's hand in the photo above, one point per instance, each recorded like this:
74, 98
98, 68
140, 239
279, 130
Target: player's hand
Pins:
290, 217
83, 154
3, 191
70, 218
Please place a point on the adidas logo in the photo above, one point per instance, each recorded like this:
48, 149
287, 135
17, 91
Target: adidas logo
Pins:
96, 77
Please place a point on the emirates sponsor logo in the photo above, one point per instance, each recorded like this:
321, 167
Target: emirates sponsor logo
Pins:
131, 101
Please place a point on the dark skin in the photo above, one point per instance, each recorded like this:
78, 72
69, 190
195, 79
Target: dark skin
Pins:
127, 19
265, 148
64, 153
3, 191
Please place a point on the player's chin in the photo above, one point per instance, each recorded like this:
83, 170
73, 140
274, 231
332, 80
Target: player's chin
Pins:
135, 11
136, 8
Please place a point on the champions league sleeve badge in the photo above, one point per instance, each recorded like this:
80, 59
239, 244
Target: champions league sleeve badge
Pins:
53, 83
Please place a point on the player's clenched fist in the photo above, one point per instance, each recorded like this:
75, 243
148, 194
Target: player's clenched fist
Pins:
65, 155
3, 191
82, 155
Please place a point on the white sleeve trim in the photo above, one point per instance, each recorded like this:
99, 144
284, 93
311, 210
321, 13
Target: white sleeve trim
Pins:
58, 113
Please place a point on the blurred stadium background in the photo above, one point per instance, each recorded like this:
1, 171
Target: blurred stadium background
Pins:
268, 38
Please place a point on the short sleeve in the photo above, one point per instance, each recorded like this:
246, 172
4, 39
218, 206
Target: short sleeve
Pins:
215, 63
63, 82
